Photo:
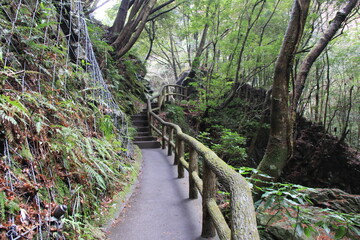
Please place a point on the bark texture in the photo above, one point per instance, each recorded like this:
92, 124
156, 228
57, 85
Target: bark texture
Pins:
120, 18
132, 30
131, 20
279, 144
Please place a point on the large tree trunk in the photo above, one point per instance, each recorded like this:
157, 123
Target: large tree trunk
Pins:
130, 22
120, 19
319, 47
137, 14
125, 46
279, 144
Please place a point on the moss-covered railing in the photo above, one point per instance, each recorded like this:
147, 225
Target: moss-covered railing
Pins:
243, 221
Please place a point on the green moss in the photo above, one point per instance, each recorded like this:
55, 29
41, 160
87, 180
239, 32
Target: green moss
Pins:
8, 206
62, 190
43, 194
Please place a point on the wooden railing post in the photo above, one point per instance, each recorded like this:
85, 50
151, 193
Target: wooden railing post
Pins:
209, 191
178, 93
171, 136
174, 94
176, 158
163, 140
193, 167
150, 124
159, 101
167, 91
180, 155
185, 93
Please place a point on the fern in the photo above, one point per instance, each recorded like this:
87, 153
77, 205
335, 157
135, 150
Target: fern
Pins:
12, 207
40, 122
11, 108
102, 148
5, 117
106, 126
93, 174
88, 147
38, 100
103, 168
16, 104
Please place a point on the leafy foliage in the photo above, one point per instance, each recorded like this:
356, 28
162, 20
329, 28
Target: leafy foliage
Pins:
289, 201
289, 206
175, 113
59, 146
228, 145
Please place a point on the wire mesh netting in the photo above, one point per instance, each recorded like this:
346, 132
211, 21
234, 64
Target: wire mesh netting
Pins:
48, 41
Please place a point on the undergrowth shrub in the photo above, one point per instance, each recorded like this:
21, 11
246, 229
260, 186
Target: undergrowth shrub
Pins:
175, 114
227, 144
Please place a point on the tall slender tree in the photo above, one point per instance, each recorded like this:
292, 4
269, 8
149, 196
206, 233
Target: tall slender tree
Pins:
334, 25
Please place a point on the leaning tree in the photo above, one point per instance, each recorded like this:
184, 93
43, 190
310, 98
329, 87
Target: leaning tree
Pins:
280, 144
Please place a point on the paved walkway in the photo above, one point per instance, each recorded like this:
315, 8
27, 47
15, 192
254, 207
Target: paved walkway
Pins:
160, 208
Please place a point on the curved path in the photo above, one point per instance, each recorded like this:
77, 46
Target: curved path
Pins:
160, 208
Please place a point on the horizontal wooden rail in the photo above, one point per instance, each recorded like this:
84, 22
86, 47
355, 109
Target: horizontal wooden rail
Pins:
243, 220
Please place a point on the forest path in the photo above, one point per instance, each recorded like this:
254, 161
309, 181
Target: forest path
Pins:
160, 208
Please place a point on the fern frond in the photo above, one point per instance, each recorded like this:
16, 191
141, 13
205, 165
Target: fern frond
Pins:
5, 117
93, 174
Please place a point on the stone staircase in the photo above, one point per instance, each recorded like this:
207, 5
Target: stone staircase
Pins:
143, 138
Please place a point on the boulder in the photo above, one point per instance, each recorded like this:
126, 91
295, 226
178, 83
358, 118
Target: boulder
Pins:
279, 219
335, 199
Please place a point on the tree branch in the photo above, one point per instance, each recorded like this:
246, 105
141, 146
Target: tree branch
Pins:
97, 7
159, 14
319, 47
161, 6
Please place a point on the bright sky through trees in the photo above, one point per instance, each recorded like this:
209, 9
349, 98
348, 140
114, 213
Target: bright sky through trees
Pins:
100, 13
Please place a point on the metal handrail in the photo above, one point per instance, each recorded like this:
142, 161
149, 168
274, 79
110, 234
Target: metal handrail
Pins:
243, 219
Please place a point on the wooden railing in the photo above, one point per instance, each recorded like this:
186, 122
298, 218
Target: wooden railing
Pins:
243, 221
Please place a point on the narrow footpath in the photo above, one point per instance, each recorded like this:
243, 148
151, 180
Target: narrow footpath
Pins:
160, 207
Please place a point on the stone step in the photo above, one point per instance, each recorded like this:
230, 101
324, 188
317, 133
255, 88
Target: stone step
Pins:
139, 117
146, 133
148, 144
144, 138
140, 123
142, 129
